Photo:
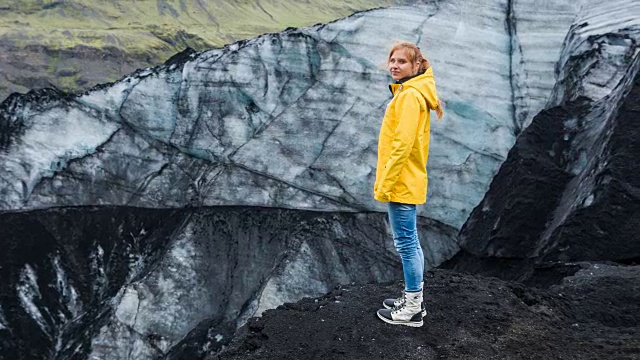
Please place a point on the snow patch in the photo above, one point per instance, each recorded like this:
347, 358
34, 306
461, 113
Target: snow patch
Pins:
3, 322
129, 306
589, 200
29, 294
67, 291
97, 267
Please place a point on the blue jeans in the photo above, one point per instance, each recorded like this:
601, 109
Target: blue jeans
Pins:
402, 218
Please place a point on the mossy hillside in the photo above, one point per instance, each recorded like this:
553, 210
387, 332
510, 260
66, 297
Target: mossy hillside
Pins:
76, 44
166, 26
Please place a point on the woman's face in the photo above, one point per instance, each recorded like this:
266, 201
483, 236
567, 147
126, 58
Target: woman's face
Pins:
400, 67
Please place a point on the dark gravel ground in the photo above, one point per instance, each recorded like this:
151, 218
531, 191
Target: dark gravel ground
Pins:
592, 314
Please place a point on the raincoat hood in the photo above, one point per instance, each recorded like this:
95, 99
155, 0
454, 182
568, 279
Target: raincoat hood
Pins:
424, 83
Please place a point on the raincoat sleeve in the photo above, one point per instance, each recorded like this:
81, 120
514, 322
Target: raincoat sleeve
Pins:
407, 108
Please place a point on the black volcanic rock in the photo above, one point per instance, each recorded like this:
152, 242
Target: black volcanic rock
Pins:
61, 267
593, 314
568, 191
77, 281
607, 225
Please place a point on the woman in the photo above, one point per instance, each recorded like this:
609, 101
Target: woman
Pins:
401, 174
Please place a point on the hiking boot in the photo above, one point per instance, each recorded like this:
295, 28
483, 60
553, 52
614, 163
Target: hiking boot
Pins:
394, 303
408, 313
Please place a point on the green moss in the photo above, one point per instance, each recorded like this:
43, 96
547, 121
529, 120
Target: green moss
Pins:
142, 31
140, 25
68, 83
54, 59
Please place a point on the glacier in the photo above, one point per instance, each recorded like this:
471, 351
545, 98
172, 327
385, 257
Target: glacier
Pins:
167, 208
207, 128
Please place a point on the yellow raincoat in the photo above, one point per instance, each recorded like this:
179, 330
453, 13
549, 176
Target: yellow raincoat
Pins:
403, 145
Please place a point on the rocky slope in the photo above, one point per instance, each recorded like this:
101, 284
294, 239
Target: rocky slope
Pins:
75, 44
116, 283
568, 190
467, 318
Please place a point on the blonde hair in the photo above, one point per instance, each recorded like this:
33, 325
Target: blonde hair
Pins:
413, 53
415, 56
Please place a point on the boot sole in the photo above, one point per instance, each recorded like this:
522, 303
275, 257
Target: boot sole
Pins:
394, 322
424, 312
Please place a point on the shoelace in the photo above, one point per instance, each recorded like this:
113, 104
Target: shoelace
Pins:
398, 308
402, 300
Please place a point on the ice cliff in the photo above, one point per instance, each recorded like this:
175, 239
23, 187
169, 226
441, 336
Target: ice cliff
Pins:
180, 200
290, 119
